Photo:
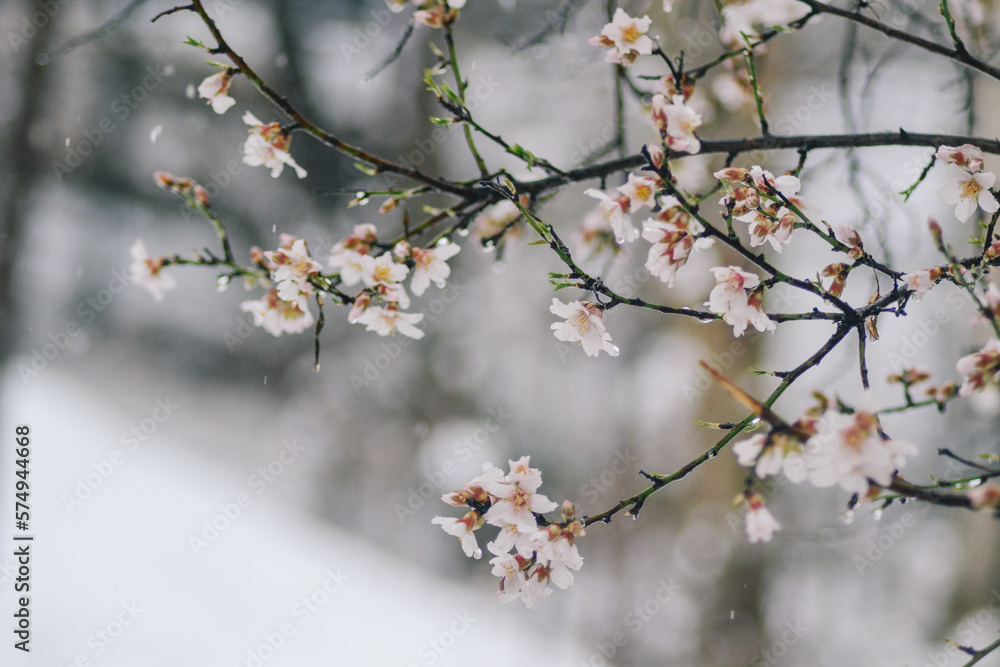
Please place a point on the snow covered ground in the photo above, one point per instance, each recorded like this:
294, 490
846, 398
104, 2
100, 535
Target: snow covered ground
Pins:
152, 568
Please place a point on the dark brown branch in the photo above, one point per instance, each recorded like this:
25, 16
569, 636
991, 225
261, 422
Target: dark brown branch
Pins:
379, 164
933, 496
768, 143
957, 54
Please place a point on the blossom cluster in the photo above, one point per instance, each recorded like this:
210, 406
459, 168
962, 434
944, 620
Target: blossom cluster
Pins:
738, 297
267, 144
378, 306
284, 309
676, 122
626, 39
968, 189
968, 186
754, 196
674, 232
763, 201
293, 276
529, 552
847, 450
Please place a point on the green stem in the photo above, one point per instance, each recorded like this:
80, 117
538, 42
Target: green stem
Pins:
982, 653
660, 481
462, 85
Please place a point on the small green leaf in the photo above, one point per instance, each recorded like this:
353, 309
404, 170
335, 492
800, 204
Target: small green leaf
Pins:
525, 155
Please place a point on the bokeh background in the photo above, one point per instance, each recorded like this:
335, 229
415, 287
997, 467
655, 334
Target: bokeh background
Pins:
201, 496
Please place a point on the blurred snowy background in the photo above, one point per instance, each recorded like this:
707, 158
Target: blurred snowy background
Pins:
201, 497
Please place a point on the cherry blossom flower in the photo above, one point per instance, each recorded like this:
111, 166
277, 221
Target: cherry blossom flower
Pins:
849, 451
979, 368
475, 488
385, 276
760, 523
431, 265
464, 529
360, 241
966, 156
361, 303
775, 228
641, 191
147, 272
674, 235
584, 324
267, 145
626, 37
920, 282
349, 264
967, 191
849, 237
676, 122
293, 267
345, 256
214, 89
770, 454
382, 271
515, 582
389, 320
516, 500
522, 540
615, 211
765, 182
737, 306
277, 316
781, 190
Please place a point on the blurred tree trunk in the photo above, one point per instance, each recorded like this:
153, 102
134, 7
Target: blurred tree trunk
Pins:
20, 165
